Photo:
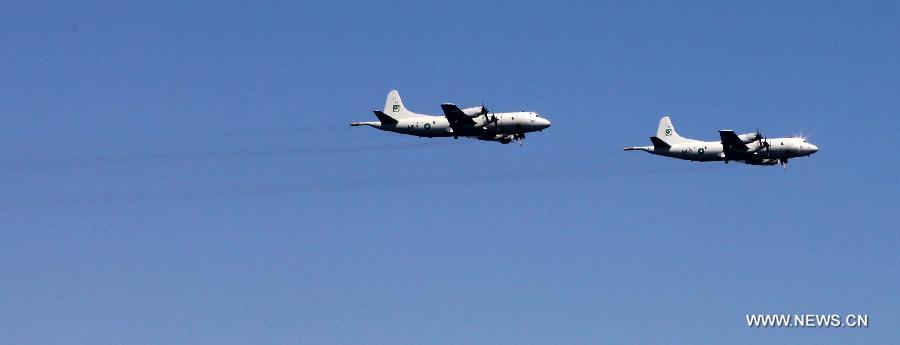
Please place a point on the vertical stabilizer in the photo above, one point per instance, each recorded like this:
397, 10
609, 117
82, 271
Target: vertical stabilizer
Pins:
394, 108
666, 132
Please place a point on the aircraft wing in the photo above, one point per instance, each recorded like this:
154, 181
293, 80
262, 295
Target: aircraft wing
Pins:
455, 116
731, 142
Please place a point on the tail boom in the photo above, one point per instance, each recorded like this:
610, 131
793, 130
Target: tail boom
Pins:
368, 123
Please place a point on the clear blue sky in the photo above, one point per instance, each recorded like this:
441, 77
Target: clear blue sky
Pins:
185, 173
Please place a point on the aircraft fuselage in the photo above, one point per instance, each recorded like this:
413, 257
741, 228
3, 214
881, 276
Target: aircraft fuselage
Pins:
749, 148
438, 126
475, 122
779, 149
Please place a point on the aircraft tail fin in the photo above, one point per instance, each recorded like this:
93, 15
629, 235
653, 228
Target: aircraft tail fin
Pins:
666, 132
393, 107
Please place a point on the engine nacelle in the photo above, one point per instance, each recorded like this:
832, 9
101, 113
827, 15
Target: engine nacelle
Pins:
749, 137
474, 111
763, 161
758, 146
502, 138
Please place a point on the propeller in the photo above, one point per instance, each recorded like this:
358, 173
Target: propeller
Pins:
763, 143
485, 112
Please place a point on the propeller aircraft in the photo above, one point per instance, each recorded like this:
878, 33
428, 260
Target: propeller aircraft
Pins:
749, 148
475, 122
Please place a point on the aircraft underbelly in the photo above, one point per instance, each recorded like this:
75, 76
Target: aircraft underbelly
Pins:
696, 153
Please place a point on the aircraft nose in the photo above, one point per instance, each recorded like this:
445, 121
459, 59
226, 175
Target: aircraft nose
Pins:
813, 149
543, 123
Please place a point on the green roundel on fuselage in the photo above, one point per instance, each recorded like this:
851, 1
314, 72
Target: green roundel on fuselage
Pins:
700, 150
427, 125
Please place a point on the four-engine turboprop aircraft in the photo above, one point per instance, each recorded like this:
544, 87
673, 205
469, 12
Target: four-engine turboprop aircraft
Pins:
750, 148
475, 122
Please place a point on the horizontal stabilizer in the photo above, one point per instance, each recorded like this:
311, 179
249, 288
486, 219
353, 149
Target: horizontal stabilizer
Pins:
384, 118
657, 142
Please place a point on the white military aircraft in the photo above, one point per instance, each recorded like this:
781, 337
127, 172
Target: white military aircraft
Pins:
750, 148
475, 122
